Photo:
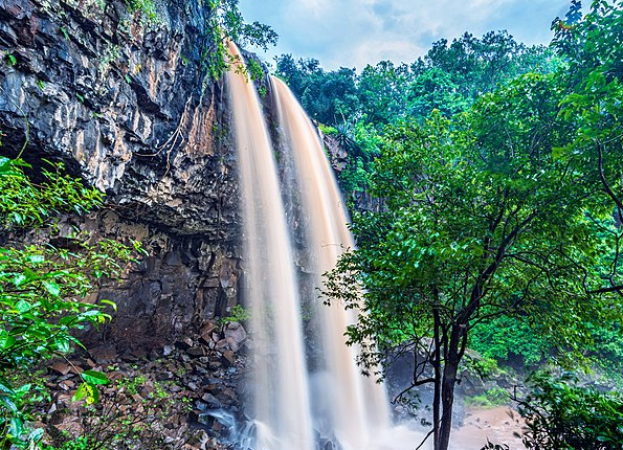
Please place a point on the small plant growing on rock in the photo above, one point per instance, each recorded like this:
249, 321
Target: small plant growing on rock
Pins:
11, 59
237, 314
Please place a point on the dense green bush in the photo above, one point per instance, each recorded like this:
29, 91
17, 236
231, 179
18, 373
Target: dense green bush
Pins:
496, 396
514, 342
43, 289
507, 339
561, 414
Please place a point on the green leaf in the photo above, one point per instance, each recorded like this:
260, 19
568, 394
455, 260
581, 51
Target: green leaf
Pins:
93, 394
23, 306
6, 341
112, 304
5, 387
81, 393
62, 345
9, 404
52, 287
16, 429
19, 279
94, 377
23, 390
36, 435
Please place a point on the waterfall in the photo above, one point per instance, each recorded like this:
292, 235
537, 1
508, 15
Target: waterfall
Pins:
282, 408
358, 406
340, 408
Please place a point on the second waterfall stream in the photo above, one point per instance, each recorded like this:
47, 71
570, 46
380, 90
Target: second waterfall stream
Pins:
301, 401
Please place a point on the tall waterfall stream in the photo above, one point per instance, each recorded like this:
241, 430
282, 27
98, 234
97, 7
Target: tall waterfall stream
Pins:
298, 405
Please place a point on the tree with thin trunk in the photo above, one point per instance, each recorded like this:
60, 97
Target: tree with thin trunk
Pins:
482, 218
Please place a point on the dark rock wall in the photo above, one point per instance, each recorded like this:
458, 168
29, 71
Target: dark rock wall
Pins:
124, 101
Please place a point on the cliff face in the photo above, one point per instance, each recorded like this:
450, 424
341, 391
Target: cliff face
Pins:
124, 101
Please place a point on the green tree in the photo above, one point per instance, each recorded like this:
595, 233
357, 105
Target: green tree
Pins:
590, 80
477, 66
361, 143
482, 220
382, 91
432, 90
328, 97
289, 71
593, 80
331, 98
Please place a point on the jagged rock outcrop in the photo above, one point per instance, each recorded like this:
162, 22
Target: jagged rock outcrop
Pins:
125, 101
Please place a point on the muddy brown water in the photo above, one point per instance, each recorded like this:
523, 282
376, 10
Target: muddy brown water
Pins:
498, 425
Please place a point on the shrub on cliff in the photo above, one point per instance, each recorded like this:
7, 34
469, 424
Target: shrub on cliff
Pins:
43, 288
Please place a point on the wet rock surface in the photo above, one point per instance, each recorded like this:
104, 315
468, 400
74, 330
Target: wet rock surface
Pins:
124, 100
126, 103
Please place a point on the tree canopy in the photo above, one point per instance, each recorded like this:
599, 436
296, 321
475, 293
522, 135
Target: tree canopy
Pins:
507, 207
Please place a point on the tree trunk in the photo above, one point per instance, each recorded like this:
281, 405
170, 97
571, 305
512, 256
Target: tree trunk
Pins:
450, 369
436, 363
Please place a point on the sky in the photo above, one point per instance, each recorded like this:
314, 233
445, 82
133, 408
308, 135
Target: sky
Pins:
354, 33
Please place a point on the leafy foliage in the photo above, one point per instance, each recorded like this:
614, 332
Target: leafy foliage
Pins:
560, 414
509, 340
237, 314
482, 220
43, 289
328, 97
592, 106
449, 78
383, 92
226, 23
495, 396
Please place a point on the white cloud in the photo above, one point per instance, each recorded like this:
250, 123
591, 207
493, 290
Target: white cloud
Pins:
353, 33
370, 52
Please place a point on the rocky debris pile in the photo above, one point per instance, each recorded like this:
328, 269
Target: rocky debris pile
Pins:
182, 396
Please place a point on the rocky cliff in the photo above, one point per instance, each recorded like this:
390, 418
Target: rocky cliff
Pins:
123, 98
